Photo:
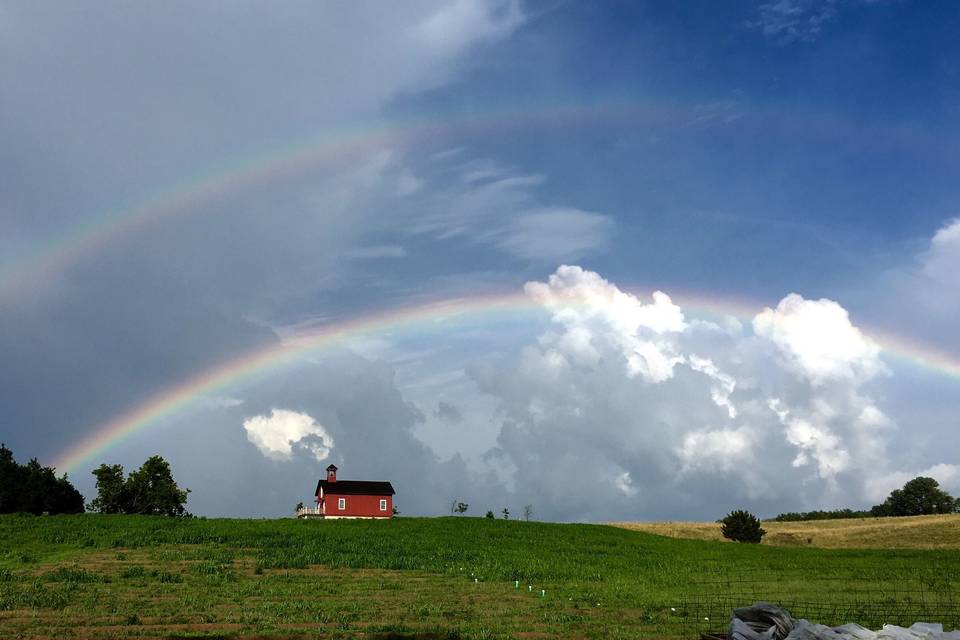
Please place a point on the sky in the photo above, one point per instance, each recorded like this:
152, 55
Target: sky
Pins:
615, 261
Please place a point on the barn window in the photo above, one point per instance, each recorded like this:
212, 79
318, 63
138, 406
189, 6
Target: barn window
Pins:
342, 504
383, 505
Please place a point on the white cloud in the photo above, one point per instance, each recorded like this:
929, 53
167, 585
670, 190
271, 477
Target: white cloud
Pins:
623, 388
624, 483
485, 203
372, 252
574, 292
818, 340
555, 233
725, 449
942, 261
948, 475
463, 22
278, 435
725, 384
592, 314
222, 402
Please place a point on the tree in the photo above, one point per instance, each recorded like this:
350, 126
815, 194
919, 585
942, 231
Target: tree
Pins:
462, 507
298, 508
920, 496
489, 515
150, 490
742, 526
111, 490
153, 491
506, 513
33, 488
527, 512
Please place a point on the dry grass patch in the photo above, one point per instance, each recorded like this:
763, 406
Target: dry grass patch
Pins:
916, 532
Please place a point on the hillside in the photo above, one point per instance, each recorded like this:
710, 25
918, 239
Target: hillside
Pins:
95, 576
917, 532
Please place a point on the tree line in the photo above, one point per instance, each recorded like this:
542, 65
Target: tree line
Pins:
918, 497
33, 488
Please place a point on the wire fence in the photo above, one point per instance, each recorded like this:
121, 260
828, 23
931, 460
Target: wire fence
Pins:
872, 601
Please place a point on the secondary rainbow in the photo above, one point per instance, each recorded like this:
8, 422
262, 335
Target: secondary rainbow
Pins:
35, 269
264, 360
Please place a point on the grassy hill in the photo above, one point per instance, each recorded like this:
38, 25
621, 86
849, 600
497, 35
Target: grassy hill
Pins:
127, 576
917, 532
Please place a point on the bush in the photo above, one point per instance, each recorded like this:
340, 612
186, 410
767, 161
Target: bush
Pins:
742, 526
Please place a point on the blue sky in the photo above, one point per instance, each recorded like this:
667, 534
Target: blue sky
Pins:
739, 152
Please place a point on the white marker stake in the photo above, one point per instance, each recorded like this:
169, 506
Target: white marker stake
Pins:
516, 584
543, 592
529, 587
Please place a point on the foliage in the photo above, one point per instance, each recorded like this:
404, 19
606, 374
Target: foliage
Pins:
111, 490
920, 496
150, 490
489, 515
837, 514
742, 526
32, 488
462, 507
506, 513
527, 512
298, 508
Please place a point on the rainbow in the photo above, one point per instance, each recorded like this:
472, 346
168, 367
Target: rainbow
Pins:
41, 265
265, 360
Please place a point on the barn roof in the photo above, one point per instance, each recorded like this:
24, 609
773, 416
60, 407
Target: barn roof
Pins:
356, 488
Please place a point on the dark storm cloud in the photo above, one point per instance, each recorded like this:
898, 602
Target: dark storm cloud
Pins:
105, 106
101, 348
357, 402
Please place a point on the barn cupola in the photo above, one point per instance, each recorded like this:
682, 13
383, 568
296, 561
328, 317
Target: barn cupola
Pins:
332, 473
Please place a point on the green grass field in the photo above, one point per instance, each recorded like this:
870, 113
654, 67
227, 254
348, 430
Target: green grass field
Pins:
128, 576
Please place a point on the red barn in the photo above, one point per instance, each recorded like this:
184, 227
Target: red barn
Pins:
353, 498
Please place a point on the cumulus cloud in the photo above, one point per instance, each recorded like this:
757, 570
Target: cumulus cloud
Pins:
717, 448
279, 434
725, 384
664, 416
818, 340
589, 311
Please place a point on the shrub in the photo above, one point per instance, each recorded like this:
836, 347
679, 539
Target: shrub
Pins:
742, 526
489, 515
